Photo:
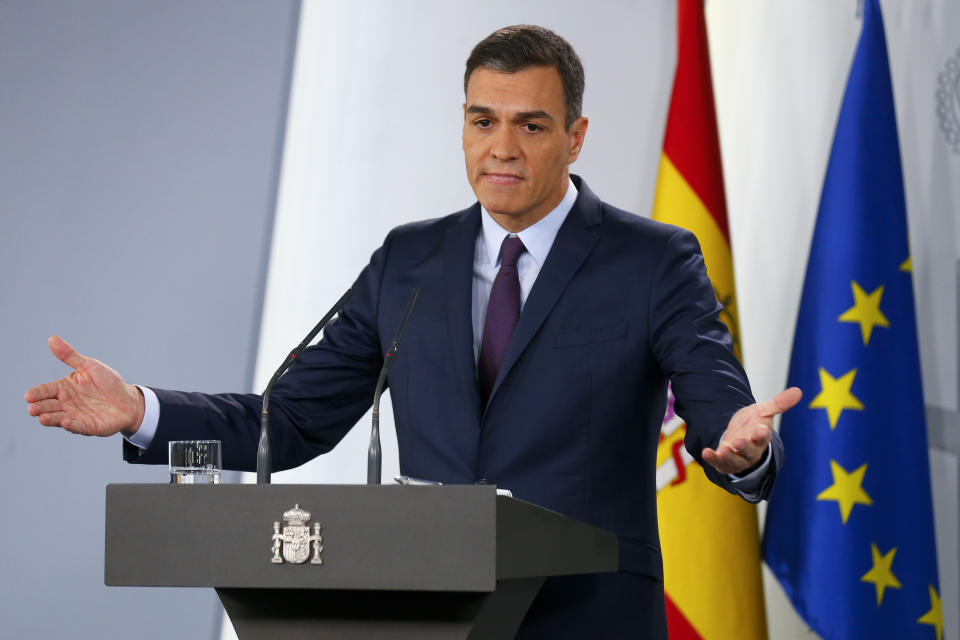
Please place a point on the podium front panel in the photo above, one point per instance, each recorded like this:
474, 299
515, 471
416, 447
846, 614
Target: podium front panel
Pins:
416, 538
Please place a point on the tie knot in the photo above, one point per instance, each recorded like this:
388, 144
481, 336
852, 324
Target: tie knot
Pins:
510, 251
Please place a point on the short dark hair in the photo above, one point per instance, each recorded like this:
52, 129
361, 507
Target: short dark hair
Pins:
513, 49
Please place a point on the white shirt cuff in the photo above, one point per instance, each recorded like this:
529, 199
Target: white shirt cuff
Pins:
749, 485
151, 417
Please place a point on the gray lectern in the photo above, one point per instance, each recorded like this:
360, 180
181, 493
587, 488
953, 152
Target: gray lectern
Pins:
349, 561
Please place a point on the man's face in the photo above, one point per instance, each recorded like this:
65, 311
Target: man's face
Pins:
515, 144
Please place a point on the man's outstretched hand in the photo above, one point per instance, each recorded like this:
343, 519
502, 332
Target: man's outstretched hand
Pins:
93, 400
748, 433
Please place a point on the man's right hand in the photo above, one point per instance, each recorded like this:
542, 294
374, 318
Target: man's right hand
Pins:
92, 401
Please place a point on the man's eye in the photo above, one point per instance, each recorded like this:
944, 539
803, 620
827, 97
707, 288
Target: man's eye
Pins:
529, 127
483, 123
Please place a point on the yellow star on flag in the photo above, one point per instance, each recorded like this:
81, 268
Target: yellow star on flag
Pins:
835, 395
907, 265
881, 575
846, 489
934, 617
865, 310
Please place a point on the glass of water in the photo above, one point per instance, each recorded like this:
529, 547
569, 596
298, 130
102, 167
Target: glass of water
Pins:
195, 462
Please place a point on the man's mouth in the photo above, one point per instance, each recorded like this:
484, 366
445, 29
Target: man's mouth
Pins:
502, 178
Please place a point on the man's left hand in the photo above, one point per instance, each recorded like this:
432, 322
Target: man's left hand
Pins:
748, 434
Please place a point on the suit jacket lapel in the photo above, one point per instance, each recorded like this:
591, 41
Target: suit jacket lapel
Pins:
573, 244
458, 257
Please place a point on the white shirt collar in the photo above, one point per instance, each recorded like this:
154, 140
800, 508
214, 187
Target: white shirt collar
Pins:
537, 238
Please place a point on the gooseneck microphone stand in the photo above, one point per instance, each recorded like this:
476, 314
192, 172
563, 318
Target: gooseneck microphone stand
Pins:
264, 459
374, 454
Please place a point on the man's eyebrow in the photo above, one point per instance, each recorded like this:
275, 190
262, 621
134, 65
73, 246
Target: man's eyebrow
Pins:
476, 108
533, 115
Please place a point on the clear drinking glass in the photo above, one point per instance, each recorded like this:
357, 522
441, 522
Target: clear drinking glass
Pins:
195, 462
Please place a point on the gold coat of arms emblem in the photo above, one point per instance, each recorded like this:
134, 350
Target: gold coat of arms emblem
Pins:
295, 541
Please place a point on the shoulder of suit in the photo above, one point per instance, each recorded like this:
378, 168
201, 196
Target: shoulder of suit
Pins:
421, 228
618, 221
424, 238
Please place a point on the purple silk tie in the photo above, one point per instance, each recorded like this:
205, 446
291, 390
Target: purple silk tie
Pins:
503, 310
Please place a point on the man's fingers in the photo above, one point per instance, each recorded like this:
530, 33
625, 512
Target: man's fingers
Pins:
779, 403
753, 443
724, 459
65, 353
747, 438
741, 451
724, 452
52, 419
42, 392
44, 406
761, 435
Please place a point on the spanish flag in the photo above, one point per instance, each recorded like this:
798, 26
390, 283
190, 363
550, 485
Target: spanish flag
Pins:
709, 538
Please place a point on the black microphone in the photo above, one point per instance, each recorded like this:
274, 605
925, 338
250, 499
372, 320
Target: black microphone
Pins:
374, 455
264, 460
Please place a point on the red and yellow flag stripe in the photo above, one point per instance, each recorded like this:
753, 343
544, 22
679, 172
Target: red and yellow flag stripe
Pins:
709, 538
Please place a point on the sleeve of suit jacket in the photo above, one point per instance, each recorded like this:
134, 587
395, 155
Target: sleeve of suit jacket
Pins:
312, 406
687, 333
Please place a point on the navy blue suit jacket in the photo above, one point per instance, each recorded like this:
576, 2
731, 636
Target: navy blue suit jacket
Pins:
621, 305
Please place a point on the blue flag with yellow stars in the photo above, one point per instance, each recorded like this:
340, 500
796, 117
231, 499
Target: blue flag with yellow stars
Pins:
849, 532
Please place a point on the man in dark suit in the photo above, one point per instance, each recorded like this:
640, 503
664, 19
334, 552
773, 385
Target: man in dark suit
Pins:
537, 358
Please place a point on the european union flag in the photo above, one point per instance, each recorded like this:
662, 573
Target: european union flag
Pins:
849, 531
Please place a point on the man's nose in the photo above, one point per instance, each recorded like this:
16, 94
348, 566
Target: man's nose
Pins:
505, 146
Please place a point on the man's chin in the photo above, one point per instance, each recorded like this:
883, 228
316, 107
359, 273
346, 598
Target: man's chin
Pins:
497, 202
499, 208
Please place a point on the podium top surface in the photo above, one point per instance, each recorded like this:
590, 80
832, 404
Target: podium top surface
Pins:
386, 537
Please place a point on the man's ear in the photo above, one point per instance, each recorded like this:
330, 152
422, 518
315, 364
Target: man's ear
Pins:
578, 131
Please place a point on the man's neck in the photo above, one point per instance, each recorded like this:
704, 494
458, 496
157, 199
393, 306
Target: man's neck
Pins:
517, 223
538, 237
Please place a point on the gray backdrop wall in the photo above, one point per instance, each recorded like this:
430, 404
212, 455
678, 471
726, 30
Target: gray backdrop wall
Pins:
139, 151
